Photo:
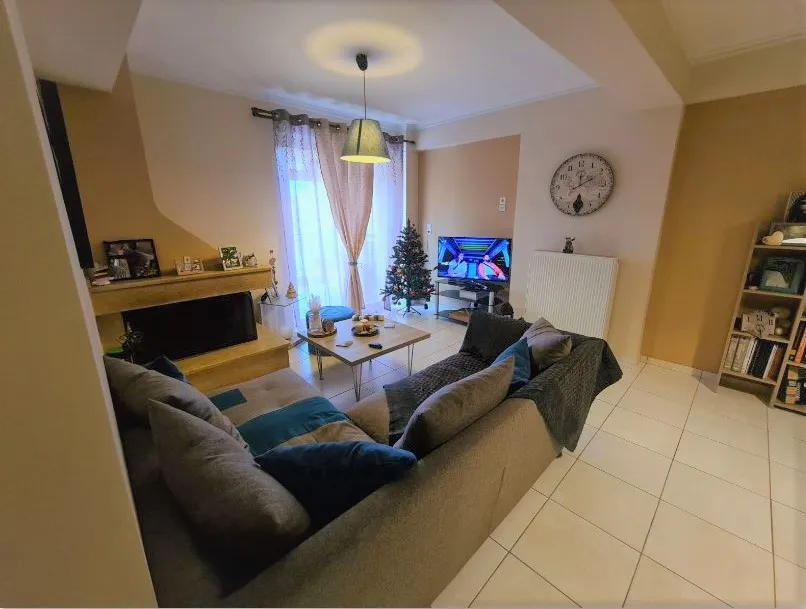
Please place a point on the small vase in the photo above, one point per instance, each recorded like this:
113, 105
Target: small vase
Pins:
316, 323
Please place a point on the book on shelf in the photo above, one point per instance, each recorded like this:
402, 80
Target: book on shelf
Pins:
755, 357
777, 360
798, 337
801, 346
731, 354
741, 352
792, 390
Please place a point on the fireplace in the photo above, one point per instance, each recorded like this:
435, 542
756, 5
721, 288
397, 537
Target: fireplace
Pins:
192, 327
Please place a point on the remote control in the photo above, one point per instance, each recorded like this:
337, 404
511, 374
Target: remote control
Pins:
376, 345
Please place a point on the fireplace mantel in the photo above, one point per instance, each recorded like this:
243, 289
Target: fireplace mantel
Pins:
141, 293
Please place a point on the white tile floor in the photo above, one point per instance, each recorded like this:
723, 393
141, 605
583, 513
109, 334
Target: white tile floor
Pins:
677, 494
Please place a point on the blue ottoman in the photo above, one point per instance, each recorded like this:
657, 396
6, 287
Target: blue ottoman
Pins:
333, 313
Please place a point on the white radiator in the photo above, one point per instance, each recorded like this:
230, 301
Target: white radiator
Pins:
573, 292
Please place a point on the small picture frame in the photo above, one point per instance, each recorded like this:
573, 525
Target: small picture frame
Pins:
188, 266
131, 259
782, 274
231, 258
796, 207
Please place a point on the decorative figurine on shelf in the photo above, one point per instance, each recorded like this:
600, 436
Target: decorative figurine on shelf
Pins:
291, 292
569, 245
250, 260
272, 289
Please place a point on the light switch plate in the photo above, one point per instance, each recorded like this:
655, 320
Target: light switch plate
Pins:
502, 204
427, 229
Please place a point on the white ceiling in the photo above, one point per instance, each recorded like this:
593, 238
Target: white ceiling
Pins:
80, 42
712, 29
475, 58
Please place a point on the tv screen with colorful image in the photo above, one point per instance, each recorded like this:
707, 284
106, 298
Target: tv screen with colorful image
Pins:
474, 258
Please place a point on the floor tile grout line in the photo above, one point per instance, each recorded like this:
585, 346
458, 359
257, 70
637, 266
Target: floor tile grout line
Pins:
515, 556
657, 505
659, 498
487, 581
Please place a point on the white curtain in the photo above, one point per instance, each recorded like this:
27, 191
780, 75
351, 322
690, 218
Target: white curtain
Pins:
385, 223
315, 257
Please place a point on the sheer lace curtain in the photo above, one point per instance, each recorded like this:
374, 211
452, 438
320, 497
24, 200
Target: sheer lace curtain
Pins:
385, 223
316, 258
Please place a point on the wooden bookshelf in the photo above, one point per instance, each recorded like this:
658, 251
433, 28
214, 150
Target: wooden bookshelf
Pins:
756, 254
774, 339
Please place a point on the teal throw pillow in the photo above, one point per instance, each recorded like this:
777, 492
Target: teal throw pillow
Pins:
523, 363
329, 478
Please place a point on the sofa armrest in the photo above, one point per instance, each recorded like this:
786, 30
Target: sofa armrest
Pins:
372, 415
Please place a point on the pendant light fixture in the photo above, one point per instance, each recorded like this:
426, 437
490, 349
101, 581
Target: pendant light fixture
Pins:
365, 141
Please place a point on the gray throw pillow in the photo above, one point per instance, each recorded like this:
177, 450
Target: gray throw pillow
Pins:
133, 386
547, 344
448, 411
221, 489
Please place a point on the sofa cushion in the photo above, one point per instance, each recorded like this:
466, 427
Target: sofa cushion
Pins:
220, 488
330, 478
133, 386
488, 335
454, 407
522, 372
308, 421
372, 415
547, 344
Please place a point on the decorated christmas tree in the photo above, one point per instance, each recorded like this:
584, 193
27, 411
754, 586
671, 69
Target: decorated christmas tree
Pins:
408, 277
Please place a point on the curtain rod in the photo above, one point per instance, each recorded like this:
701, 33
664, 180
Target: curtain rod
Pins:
315, 122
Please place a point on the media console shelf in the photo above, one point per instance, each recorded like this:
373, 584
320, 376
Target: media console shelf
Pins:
477, 294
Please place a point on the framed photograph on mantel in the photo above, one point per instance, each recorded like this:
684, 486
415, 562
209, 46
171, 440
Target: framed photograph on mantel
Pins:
131, 259
231, 258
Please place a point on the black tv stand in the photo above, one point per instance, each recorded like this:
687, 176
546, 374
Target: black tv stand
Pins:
475, 293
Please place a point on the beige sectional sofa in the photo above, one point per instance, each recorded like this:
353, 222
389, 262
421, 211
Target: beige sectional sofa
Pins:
398, 547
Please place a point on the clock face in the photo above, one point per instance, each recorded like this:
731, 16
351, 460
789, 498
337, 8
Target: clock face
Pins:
582, 184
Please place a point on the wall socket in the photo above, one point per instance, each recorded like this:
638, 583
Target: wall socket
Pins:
502, 204
427, 229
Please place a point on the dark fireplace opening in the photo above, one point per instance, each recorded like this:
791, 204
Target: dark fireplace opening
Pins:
197, 326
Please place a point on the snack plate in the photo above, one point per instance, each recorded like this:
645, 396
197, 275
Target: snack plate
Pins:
372, 332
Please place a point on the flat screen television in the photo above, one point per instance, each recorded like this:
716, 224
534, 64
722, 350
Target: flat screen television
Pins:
474, 258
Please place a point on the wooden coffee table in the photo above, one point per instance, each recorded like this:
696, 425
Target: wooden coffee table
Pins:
359, 352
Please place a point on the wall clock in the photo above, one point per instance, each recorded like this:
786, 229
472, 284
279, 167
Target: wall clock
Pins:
582, 184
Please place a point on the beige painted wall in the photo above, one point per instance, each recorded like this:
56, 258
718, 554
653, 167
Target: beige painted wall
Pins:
113, 177
211, 164
736, 163
68, 532
459, 188
639, 144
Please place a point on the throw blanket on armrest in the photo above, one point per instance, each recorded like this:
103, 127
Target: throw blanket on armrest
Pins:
565, 391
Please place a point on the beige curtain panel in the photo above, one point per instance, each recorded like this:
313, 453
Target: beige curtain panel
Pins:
349, 190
